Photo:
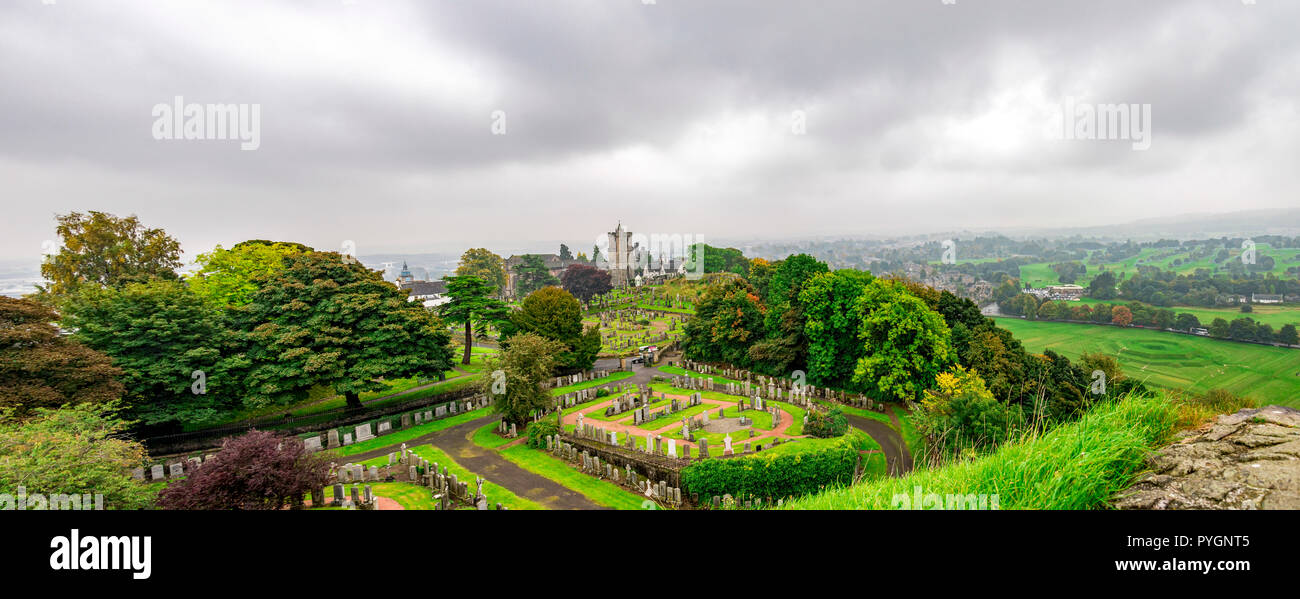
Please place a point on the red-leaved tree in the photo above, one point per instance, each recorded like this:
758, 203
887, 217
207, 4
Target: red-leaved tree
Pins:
259, 471
585, 281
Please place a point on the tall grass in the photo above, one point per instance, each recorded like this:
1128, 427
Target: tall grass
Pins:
1079, 465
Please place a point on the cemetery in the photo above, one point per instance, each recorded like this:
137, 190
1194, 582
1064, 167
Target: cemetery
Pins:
632, 444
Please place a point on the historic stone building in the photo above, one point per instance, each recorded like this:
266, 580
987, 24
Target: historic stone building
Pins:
622, 257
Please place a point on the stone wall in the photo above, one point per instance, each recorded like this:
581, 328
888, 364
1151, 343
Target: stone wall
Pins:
1247, 460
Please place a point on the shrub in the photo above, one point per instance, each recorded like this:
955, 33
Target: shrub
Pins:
774, 474
602, 392
260, 470
826, 425
538, 431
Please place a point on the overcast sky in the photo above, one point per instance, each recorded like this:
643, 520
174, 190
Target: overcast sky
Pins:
678, 116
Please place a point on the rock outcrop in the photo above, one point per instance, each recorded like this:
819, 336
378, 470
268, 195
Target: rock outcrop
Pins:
1247, 460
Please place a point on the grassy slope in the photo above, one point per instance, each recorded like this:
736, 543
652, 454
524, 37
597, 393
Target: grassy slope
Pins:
1267, 374
419, 430
602, 492
495, 493
1075, 466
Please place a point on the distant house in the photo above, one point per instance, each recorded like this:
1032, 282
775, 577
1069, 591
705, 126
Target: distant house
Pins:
429, 293
1068, 293
1071, 293
1265, 298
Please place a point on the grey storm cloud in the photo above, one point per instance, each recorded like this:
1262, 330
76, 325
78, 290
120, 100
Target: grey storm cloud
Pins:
672, 116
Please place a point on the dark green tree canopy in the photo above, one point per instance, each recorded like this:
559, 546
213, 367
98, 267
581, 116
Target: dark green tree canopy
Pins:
532, 275
161, 334
330, 321
473, 301
555, 314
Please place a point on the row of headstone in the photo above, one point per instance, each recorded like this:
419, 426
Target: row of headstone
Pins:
581, 377
590, 463
174, 470
781, 389
358, 499
369, 430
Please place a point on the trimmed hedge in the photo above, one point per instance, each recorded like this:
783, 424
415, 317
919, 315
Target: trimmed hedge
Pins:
774, 475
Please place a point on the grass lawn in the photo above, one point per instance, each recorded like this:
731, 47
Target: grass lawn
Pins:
602, 492
495, 493
486, 436
1270, 375
414, 432
910, 438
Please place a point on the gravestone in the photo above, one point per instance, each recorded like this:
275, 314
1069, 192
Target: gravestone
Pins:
364, 433
156, 472
312, 443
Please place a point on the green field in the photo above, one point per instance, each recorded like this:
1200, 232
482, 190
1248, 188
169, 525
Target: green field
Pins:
1277, 315
1270, 375
1041, 274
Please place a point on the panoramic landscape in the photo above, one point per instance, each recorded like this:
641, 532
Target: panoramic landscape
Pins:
647, 256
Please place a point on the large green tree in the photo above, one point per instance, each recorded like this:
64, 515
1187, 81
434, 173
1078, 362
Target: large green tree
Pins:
229, 277
101, 249
40, 368
833, 321
785, 347
555, 314
325, 320
517, 378
906, 343
728, 320
472, 301
481, 263
532, 274
173, 347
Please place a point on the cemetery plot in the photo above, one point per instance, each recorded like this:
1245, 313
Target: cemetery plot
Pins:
624, 332
646, 417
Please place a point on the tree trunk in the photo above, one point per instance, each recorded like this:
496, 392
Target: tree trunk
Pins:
469, 341
354, 400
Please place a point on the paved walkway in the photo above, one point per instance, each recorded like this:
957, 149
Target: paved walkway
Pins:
489, 464
897, 458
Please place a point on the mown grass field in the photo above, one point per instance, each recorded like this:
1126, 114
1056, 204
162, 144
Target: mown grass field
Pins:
1277, 315
1270, 375
1041, 274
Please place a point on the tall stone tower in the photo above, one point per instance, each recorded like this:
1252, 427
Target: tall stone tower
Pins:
620, 257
